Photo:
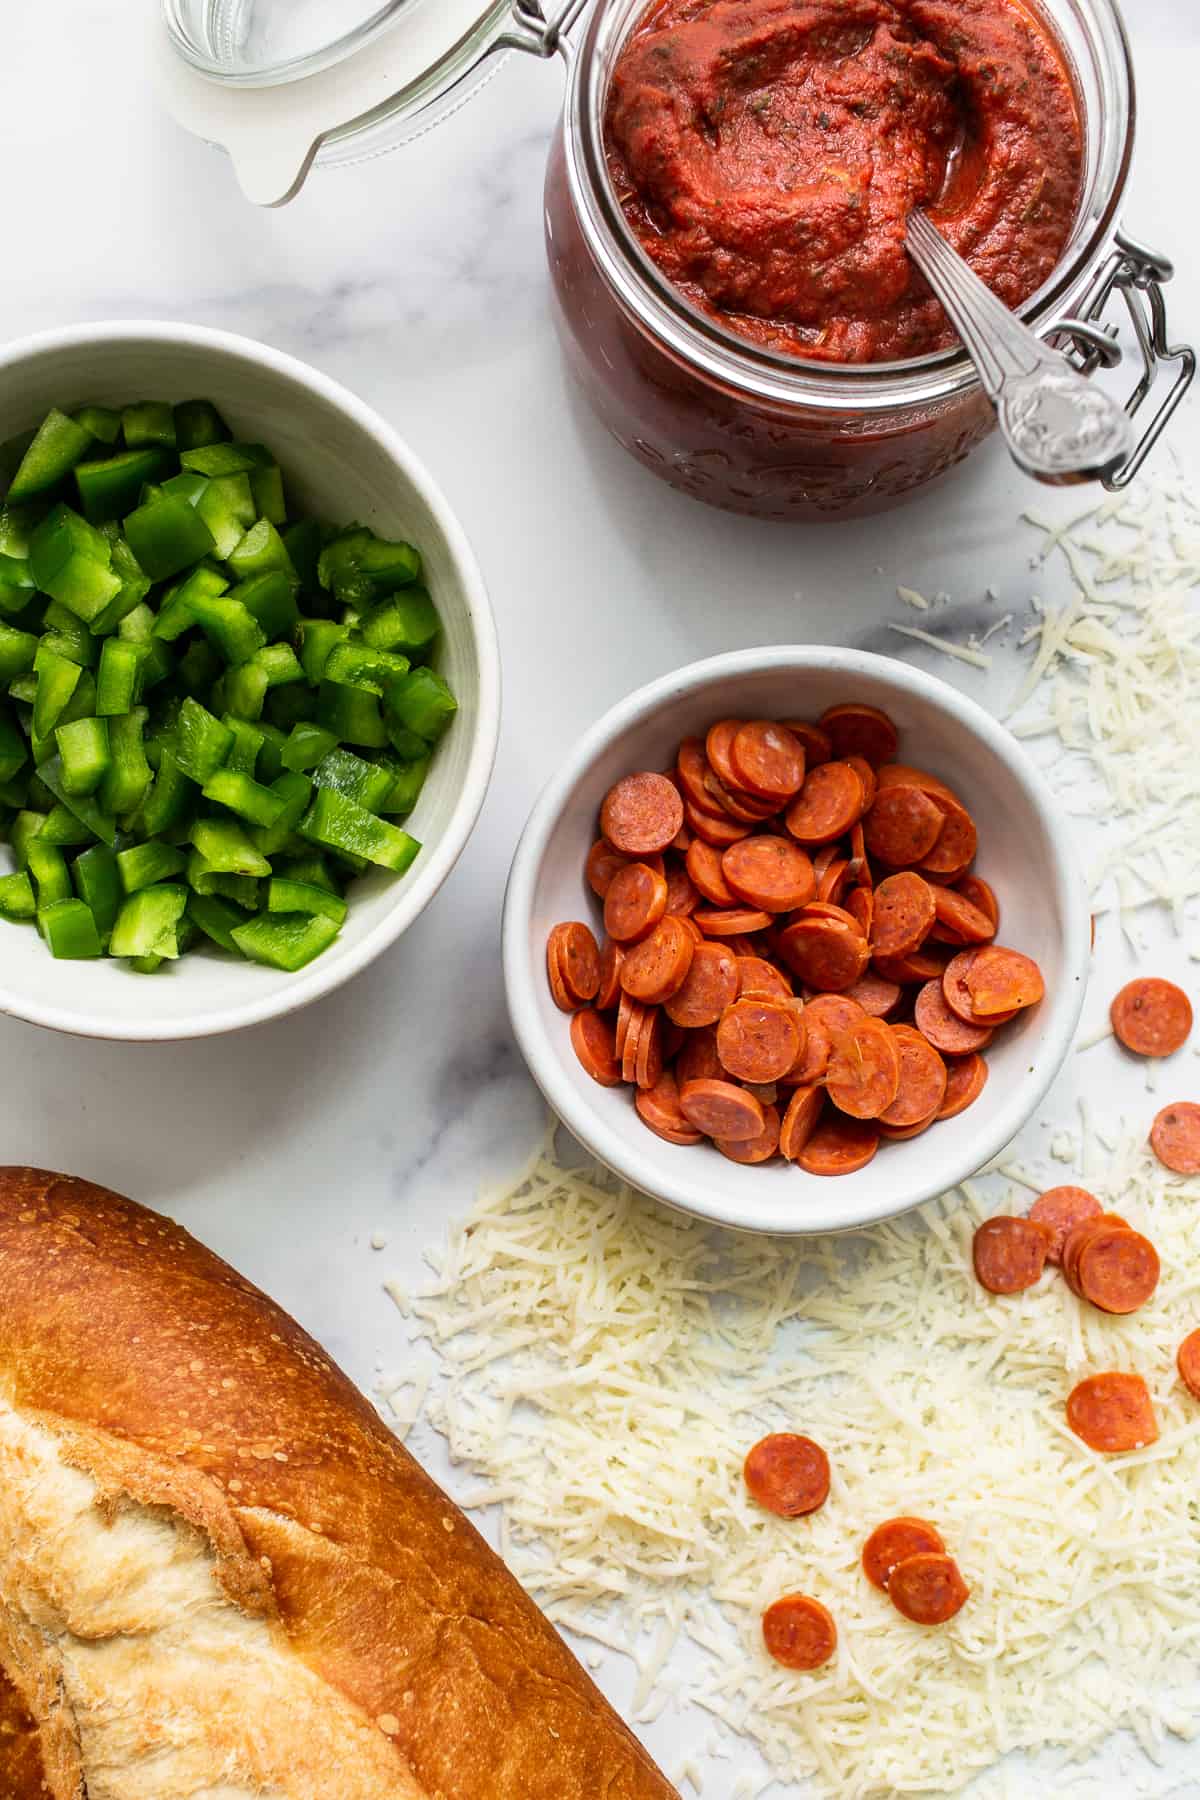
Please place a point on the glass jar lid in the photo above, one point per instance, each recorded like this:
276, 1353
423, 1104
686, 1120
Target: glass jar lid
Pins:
274, 82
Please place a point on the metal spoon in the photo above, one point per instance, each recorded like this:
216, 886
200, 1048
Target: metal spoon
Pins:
1058, 425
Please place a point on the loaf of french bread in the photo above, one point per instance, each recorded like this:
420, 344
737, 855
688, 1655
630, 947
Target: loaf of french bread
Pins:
221, 1577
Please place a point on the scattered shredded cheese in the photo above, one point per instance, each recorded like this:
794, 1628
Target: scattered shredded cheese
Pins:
959, 652
911, 597
606, 1364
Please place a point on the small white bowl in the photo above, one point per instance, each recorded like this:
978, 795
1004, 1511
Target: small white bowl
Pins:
341, 461
1024, 852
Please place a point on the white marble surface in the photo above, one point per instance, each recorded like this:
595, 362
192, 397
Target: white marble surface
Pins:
419, 280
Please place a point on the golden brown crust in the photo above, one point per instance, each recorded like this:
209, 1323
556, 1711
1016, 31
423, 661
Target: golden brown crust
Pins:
170, 1379
21, 1761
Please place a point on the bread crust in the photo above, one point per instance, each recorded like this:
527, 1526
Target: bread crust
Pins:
176, 1387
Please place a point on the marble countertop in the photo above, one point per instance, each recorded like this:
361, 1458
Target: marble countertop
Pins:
378, 1110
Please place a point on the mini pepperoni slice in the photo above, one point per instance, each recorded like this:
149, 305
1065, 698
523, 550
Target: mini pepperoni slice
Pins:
928, 1588
876, 996
737, 803
944, 1029
759, 1040
827, 909
857, 730
999, 980
788, 1474
758, 1149
1175, 1137
629, 1031
982, 895
834, 880
800, 1120
602, 864
957, 841
648, 1060
902, 826
823, 953
863, 1077
573, 965
704, 867
1112, 1412
922, 1086
718, 747
958, 995
657, 967
771, 874
799, 1632
897, 774
828, 804
1009, 1254
815, 742
966, 1079
904, 910
1152, 1017
839, 1146
719, 832
691, 767
721, 1109
626, 1008
710, 985
919, 966
1059, 1210
658, 1107
1188, 1363
682, 897
866, 774
1077, 1237
641, 813
608, 994
592, 1042
824, 1015
758, 976
697, 1059
899, 1133
1117, 1269
767, 759
894, 1542
635, 902
860, 904
956, 913
728, 922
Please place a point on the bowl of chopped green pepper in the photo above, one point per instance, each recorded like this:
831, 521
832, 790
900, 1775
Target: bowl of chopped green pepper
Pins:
249, 683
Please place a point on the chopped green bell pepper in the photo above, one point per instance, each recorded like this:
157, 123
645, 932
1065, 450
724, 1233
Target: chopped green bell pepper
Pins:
109, 486
147, 924
57, 446
69, 930
197, 423
98, 884
343, 825
167, 536
86, 757
286, 941
17, 902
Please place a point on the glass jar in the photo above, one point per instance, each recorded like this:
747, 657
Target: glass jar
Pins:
283, 86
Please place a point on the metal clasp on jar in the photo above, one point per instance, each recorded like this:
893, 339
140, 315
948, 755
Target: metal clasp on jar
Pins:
1138, 274
535, 31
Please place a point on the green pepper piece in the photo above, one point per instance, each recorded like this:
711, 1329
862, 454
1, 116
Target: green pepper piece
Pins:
70, 560
177, 613
266, 484
17, 652
219, 459
228, 626
352, 714
261, 552
203, 742
215, 917
119, 677
186, 486
167, 536
48, 871
68, 636
272, 600
280, 664
198, 669
404, 621
312, 869
247, 742
57, 679
17, 902
317, 639
167, 803
284, 896
135, 585
293, 704
407, 782
86, 758
420, 702
368, 783
124, 787
343, 825
285, 941
245, 689
244, 796
143, 864
17, 586
306, 745
294, 792
24, 829
227, 508
148, 422
241, 890
357, 566
104, 422
58, 445
270, 755
87, 809
147, 924
98, 884
226, 848
303, 542
109, 486
14, 752
69, 930
197, 423
359, 666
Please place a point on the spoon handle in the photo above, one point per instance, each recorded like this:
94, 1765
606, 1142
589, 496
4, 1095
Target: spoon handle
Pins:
1057, 425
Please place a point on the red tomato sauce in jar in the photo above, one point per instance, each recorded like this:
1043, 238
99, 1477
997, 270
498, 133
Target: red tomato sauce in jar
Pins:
767, 153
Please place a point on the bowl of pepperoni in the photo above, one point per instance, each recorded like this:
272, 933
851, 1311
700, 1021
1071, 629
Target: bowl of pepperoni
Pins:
794, 914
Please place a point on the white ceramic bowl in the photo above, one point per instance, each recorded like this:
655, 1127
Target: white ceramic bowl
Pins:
1024, 852
343, 462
